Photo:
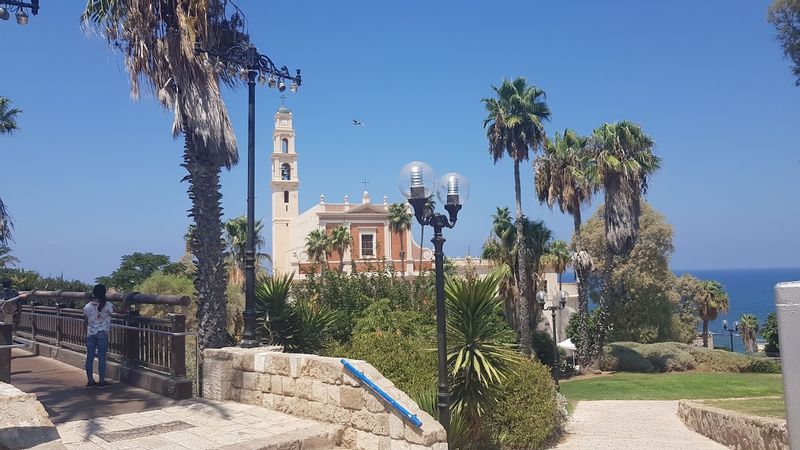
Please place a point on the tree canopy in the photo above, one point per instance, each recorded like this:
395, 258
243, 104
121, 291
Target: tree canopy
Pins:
134, 269
785, 16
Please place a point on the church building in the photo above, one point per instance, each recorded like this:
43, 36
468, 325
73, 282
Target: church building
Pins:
373, 243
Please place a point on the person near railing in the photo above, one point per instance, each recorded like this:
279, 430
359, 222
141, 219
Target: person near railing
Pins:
97, 315
7, 293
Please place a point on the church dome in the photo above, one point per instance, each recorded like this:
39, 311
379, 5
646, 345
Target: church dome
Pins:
284, 109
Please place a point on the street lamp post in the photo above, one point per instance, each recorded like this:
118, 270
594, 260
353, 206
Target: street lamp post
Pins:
245, 60
417, 184
731, 331
541, 296
21, 15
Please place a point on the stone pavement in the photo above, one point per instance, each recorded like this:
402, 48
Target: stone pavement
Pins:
199, 424
62, 390
631, 424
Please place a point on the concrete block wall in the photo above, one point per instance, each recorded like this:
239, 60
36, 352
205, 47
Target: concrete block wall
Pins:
320, 388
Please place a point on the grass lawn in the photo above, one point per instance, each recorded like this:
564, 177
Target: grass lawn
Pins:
767, 407
672, 386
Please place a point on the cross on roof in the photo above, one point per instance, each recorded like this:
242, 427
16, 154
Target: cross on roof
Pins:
283, 100
365, 182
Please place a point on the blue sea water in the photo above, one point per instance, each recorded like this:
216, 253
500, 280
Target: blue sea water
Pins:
750, 291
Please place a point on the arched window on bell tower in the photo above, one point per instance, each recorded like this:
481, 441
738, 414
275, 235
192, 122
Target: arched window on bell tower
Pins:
285, 196
286, 172
284, 145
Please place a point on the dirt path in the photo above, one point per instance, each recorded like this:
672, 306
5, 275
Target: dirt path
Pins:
631, 424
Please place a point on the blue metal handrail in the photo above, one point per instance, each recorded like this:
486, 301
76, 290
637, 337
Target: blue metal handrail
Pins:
404, 412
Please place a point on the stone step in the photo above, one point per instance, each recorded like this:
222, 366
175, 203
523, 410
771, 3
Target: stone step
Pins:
319, 437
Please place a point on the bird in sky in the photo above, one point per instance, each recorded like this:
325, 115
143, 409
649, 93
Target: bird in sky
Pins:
357, 122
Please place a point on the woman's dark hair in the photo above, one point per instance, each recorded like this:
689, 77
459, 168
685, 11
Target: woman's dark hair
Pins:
99, 292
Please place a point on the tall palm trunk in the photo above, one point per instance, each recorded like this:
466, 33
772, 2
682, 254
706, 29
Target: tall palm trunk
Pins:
524, 331
605, 305
402, 255
341, 260
207, 246
582, 273
705, 333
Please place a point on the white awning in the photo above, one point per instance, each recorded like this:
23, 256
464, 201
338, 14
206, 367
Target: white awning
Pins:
567, 345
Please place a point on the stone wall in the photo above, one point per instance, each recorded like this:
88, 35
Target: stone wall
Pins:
736, 430
24, 423
320, 388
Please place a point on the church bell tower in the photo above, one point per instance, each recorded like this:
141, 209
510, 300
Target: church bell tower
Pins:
284, 189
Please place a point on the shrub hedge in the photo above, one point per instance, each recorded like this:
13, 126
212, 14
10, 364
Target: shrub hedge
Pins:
677, 357
527, 397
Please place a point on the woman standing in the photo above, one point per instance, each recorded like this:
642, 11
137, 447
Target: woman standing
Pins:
98, 323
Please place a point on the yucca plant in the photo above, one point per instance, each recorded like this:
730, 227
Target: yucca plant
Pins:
298, 326
480, 354
459, 437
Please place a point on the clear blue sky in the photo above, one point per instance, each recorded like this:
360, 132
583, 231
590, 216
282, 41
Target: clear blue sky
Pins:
93, 175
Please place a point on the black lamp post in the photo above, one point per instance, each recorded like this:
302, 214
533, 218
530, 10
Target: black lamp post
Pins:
541, 296
21, 15
731, 331
245, 60
417, 184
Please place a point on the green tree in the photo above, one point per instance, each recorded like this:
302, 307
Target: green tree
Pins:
236, 243
785, 16
557, 254
769, 331
623, 162
708, 297
8, 123
564, 175
645, 305
157, 39
748, 328
6, 258
340, 241
479, 356
514, 127
318, 246
400, 222
134, 269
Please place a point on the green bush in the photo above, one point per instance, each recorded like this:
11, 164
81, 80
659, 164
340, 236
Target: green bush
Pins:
677, 357
526, 415
543, 347
409, 362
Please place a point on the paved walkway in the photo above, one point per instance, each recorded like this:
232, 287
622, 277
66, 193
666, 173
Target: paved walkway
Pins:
62, 390
631, 424
126, 417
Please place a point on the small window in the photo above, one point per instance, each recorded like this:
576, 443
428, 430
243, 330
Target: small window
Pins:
286, 172
285, 196
368, 245
285, 145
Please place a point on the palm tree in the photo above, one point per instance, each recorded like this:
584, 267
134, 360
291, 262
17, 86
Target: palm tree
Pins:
157, 39
514, 128
622, 163
430, 206
708, 297
499, 249
557, 254
400, 222
563, 176
6, 258
8, 123
340, 241
318, 246
236, 243
479, 356
748, 327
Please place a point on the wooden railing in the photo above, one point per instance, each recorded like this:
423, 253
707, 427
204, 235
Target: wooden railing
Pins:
133, 340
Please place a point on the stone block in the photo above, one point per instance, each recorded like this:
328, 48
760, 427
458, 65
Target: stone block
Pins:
267, 400
326, 370
277, 364
295, 365
260, 362
251, 397
218, 354
277, 384
440, 446
369, 441
396, 427
236, 380
319, 392
345, 396
264, 382
399, 445
296, 406
304, 388
349, 438
243, 361
289, 386
249, 380
372, 401
377, 423
430, 433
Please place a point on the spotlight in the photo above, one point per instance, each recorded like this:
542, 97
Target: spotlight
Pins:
262, 80
4, 13
293, 86
271, 82
281, 86
22, 17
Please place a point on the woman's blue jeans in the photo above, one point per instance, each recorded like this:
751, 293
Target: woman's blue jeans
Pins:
96, 343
